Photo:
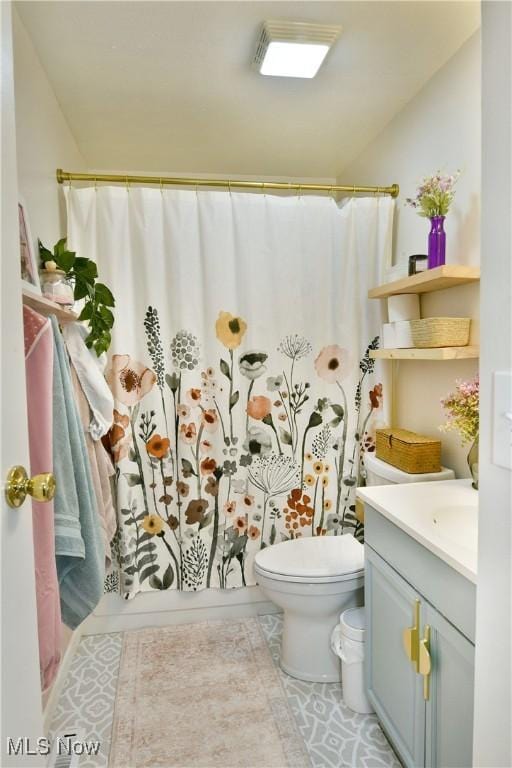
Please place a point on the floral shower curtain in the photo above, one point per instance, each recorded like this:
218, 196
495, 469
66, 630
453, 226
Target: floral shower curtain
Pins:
245, 392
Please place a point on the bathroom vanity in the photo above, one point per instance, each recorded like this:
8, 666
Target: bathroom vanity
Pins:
420, 590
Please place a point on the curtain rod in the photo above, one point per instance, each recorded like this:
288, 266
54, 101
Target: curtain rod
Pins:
350, 189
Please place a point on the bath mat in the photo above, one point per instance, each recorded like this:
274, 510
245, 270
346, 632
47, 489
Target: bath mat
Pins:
201, 696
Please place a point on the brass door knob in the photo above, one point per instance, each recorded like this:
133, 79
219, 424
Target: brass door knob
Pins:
19, 484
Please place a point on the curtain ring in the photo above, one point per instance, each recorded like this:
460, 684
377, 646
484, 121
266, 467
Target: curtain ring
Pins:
300, 191
353, 190
95, 183
161, 186
127, 184
229, 186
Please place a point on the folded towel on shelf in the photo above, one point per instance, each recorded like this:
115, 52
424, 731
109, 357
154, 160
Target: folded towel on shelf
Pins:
79, 547
89, 369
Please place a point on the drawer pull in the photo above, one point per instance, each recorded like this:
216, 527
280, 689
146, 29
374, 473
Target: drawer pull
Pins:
411, 638
425, 662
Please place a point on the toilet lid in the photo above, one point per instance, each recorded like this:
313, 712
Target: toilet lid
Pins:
313, 557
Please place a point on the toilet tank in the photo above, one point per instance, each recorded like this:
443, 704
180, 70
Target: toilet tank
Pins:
378, 472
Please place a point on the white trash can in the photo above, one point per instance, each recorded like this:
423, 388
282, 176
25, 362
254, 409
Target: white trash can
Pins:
348, 643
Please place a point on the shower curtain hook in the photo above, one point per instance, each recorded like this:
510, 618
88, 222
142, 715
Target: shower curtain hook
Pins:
229, 186
95, 183
161, 186
127, 184
300, 191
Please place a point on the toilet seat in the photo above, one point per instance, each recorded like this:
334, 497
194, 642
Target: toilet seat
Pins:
312, 560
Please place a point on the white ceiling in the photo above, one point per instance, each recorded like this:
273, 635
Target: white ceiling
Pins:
168, 86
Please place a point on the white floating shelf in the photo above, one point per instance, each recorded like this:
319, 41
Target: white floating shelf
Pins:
435, 353
447, 276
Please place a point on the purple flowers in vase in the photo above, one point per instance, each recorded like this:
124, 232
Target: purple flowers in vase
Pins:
433, 199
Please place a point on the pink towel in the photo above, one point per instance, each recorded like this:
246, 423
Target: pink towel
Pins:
39, 374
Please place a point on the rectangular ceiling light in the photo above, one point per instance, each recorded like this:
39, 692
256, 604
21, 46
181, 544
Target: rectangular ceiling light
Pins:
293, 48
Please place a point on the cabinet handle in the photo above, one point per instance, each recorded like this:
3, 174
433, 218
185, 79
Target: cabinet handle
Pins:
411, 637
425, 661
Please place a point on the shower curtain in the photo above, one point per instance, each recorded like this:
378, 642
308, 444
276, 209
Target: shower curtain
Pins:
244, 390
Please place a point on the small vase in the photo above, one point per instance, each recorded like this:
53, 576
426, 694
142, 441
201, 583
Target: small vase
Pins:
436, 242
473, 462
57, 287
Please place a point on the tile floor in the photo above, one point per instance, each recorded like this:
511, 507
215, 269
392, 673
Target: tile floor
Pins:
335, 736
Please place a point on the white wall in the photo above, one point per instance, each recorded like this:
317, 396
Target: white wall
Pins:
493, 681
44, 141
439, 128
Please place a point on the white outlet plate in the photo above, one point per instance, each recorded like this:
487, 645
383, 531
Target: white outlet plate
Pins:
502, 420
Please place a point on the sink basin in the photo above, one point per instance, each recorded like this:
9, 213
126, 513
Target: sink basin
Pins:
443, 516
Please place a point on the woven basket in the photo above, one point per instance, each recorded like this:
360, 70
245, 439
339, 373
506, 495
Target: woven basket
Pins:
408, 451
440, 332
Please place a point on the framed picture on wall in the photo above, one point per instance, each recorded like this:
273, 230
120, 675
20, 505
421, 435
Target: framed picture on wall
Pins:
28, 263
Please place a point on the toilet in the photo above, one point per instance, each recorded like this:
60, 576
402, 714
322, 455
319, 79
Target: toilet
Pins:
313, 580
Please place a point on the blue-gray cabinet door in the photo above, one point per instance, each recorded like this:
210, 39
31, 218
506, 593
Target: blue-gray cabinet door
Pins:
394, 687
449, 724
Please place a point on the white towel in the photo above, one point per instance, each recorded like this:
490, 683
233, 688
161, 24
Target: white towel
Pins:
89, 369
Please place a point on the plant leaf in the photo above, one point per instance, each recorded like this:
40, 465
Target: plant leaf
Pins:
148, 571
233, 400
224, 367
286, 437
334, 422
168, 577
81, 289
104, 295
187, 468
65, 260
154, 581
146, 560
338, 409
86, 312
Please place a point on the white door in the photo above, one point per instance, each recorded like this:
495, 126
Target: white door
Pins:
20, 714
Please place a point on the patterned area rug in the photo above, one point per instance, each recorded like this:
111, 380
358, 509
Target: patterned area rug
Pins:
335, 736
202, 695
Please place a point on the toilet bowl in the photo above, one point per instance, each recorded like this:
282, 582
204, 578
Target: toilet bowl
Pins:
312, 580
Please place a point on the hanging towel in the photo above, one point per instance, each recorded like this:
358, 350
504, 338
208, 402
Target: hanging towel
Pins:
39, 375
90, 369
101, 471
78, 541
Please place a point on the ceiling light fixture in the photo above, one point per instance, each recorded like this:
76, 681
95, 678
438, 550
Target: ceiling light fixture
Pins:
293, 48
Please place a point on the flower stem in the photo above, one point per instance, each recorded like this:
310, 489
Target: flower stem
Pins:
314, 508
277, 437
199, 435
214, 537
341, 453
230, 396
133, 416
265, 501
220, 419
251, 385
176, 564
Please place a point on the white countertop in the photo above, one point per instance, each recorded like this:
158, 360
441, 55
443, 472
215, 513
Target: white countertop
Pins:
442, 516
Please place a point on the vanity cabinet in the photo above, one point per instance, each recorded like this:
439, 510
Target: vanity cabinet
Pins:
427, 717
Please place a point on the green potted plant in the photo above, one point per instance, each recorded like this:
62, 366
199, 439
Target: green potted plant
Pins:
81, 273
